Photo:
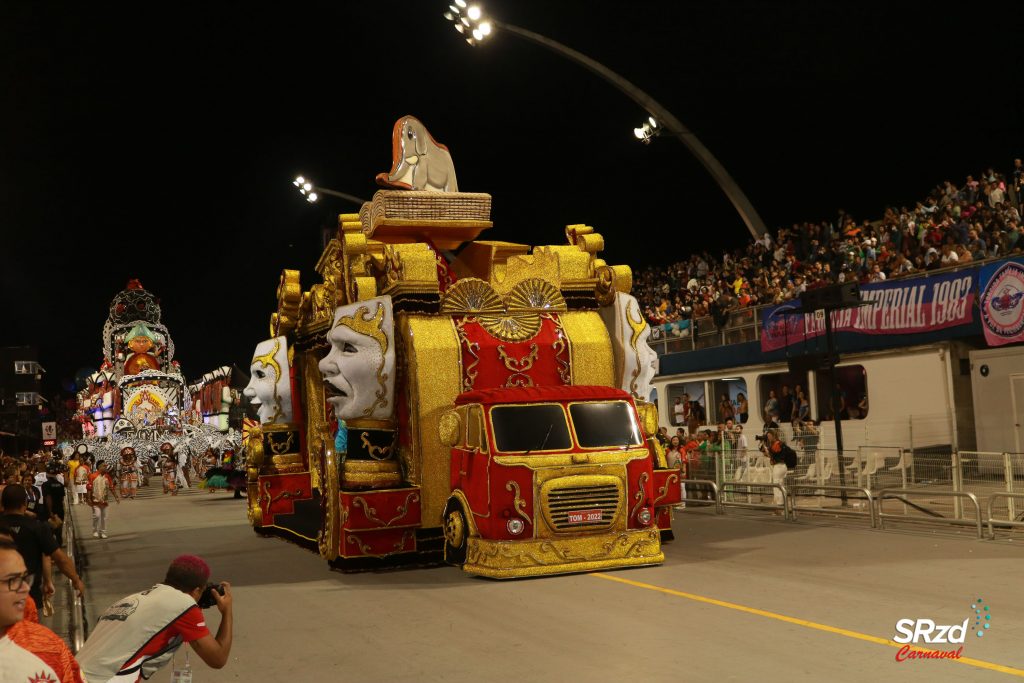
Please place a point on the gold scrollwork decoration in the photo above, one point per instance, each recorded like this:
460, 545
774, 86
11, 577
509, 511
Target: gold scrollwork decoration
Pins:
663, 490
470, 373
400, 544
518, 503
367, 550
634, 546
519, 367
363, 548
285, 495
637, 327
371, 513
376, 452
280, 448
639, 495
561, 347
265, 498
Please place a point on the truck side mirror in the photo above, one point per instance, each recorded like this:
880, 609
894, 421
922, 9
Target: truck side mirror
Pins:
449, 429
648, 417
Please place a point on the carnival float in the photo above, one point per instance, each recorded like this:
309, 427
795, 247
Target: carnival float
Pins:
139, 398
435, 397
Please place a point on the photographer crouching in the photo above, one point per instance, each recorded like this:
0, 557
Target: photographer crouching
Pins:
140, 633
782, 457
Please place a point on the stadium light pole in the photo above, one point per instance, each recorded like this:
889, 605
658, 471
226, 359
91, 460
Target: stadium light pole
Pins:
312, 192
476, 28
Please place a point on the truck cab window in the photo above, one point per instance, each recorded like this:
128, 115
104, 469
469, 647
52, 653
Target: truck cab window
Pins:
531, 427
605, 424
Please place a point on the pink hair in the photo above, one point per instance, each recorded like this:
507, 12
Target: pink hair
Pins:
192, 563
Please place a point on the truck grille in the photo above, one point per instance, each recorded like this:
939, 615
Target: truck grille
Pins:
560, 501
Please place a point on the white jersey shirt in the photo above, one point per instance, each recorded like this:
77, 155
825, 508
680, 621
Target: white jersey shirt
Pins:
18, 665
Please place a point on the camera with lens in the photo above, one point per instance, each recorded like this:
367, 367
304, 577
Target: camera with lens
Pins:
206, 600
758, 437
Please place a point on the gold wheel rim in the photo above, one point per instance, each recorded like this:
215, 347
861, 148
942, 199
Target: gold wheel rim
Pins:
454, 529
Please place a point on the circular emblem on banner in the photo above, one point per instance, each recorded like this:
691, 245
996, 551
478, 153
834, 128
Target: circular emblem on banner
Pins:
1002, 302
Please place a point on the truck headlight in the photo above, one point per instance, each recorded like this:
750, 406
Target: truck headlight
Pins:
515, 526
644, 516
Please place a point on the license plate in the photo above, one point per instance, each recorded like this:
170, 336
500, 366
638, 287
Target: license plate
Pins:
585, 516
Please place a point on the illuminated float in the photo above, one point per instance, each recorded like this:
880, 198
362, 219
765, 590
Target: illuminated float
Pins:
139, 398
484, 409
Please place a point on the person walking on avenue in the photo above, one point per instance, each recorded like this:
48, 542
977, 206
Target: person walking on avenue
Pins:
129, 472
28, 651
34, 540
139, 634
181, 479
783, 459
81, 480
72, 466
101, 486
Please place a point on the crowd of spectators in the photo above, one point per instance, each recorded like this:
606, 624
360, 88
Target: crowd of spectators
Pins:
953, 225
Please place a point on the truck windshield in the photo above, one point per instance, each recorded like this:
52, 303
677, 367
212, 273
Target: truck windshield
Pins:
533, 427
605, 423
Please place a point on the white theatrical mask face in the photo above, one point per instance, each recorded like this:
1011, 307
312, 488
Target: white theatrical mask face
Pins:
269, 387
636, 361
647, 358
359, 372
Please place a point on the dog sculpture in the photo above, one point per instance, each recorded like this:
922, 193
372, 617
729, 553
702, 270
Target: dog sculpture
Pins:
418, 162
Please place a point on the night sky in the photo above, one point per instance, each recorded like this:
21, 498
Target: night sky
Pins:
159, 142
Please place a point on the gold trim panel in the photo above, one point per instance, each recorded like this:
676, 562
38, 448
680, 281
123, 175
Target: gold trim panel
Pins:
517, 559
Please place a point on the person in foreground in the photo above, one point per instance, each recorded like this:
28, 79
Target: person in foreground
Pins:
140, 633
28, 652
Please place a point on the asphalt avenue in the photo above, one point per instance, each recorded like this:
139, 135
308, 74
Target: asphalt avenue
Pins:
739, 598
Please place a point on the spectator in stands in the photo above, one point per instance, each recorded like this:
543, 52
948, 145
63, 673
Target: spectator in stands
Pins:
1017, 176
674, 452
679, 410
785, 407
771, 406
742, 408
782, 265
726, 411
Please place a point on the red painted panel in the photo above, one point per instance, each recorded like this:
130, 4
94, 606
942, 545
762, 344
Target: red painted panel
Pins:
378, 543
639, 473
666, 487
503, 508
386, 509
489, 362
278, 493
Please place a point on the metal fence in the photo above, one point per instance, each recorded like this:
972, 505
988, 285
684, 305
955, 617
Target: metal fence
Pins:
879, 483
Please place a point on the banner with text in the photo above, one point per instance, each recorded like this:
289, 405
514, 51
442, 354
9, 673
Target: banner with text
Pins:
903, 307
1002, 302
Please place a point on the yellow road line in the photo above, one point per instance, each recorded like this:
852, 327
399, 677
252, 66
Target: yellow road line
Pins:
981, 664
